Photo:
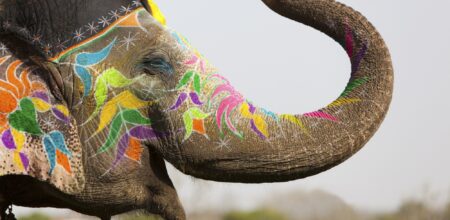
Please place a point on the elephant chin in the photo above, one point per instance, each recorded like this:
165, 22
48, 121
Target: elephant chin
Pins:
227, 138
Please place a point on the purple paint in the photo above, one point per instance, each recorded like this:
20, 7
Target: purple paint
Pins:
25, 160
358, 58
121, 148
195, 99
143, 133
41, 95
256, 130
252, 108
59, 115
8, 140
183, 96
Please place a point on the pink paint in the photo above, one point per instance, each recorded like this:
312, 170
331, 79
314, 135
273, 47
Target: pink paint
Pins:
322, 115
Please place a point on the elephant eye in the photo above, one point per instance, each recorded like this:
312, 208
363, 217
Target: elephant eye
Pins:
157, 66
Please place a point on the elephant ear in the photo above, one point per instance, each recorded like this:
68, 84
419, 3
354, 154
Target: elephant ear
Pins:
38, 137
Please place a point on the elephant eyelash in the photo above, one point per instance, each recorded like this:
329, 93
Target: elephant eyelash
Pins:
157, 65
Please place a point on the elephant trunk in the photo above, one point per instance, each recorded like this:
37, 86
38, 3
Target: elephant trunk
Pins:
232, 140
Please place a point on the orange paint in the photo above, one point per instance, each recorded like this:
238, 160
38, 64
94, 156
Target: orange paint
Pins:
131, 21
63, 161
3, 122
12, 78
38, 86
199, 126
134, 150
26, 83
8, 102
4, 59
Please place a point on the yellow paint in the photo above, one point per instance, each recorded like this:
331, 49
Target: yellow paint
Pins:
156, 12
245, 110
63, 109
343, 101
125, 100
295, 120
261, 125
18, 161
41, 105
19, 139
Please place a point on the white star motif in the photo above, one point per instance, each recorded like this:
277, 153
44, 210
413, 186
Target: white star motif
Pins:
223, 143
114, 14
104, 21
36, 39
137, 3
6, 24
92, 28
125, 10
61, 45
48, 123
129, 40
3, 49
23, 30
78, 35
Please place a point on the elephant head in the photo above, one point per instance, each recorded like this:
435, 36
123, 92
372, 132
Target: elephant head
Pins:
99, 93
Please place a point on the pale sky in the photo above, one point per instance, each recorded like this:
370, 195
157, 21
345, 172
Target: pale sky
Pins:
288, 67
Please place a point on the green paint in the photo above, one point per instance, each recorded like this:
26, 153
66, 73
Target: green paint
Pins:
114, 131
353, 85
109, 78
188, 119
185, 80
188, 125
135, 117
24, 119
197, 86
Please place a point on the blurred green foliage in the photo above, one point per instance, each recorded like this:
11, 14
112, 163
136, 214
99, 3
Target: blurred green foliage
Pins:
262, 214
35, 216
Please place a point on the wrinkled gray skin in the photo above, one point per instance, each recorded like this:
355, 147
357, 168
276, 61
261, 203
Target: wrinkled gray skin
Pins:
250, 160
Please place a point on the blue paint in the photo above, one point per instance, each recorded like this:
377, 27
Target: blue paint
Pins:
89, 59
52, 142
86, 79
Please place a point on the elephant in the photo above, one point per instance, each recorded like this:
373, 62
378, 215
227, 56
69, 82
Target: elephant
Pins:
96, 95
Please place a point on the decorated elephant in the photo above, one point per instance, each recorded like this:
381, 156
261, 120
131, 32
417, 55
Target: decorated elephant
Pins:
96, 94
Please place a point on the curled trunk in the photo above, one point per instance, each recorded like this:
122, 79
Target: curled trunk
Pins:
278, 147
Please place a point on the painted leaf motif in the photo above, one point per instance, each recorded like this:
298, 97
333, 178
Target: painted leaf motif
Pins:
261, 126
353, 85
181, 99
24, 119
41, 105
8, 140
342, 101
112, 78
185, 79
295, 120
144, 133
197, 86
121, 148
114, 131
195, 99
61, 113
135, 117
188, 125
85, 77
85, 60
54, 144
125, 100
89, 59
322, 115
192, 119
